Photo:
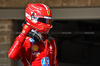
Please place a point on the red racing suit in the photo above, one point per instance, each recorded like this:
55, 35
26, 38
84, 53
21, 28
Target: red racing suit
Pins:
41, 53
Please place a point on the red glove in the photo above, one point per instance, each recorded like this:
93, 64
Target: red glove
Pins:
25, 31
16, 49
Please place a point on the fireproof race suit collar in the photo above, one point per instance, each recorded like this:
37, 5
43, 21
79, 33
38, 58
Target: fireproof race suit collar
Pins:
35, 35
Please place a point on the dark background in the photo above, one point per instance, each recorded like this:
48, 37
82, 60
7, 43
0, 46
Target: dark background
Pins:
77, 41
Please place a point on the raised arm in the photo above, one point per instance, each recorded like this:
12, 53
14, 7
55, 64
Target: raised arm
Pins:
16, 49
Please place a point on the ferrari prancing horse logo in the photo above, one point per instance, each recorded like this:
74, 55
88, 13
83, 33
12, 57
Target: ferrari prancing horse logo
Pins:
48, 12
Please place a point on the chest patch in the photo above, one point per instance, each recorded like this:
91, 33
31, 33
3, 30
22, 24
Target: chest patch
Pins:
43, 61
35, 47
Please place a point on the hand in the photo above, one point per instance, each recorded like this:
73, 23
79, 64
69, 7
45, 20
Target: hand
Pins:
26, 29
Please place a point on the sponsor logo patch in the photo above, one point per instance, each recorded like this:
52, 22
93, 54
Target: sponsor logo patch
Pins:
48, 12
43, 61
35, 47
23, 31
26, 26
28, 16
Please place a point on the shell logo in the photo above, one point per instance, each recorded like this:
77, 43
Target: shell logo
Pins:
35, 47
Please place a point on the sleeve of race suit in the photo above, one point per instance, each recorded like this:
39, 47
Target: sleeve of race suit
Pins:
16, 49
54, 60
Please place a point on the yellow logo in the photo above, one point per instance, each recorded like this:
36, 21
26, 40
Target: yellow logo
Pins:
26, 26
35, 47
48, 12
23, 31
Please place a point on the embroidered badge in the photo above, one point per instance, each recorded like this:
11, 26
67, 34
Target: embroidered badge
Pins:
36, 54
48, 12
43, 61
23, 31
25, 26
32, 40
35, 47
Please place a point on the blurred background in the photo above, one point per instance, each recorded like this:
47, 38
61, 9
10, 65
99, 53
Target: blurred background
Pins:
76, 29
